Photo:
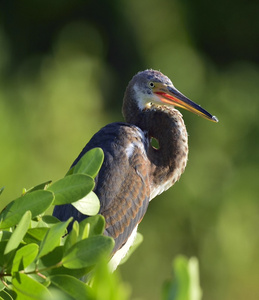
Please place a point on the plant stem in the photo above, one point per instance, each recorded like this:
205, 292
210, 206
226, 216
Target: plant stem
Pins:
4, 283
36, 271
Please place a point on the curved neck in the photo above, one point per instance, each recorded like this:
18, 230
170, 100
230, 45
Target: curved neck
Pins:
168, 162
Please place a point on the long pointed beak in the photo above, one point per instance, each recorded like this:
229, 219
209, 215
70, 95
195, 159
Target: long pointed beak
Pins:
171, 96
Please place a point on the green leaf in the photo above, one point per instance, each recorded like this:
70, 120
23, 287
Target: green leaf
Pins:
72, 286
1, 190
7, 295
19, 232
195, 289
52, 238
5, 235
70, 171
2, 286
28, 289
72, 237
185, 285
89, 205
106, 285
37, 234
2, 256
41, 186
24, 257
86, 231
87, 252
90, 163
51, 259
37, 202
58, 295
71, 188
49, 221
97, 225
44, 221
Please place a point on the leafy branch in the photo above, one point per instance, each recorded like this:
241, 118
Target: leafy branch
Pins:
36, 249
40, 260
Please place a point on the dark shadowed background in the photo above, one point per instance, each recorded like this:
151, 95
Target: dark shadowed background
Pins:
64, 66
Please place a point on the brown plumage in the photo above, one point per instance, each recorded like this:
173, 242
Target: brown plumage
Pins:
134, 172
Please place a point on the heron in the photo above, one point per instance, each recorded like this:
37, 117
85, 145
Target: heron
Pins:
135, 171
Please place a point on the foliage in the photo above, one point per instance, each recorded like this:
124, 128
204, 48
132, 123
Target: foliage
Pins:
185, 284
40, 260
36, 252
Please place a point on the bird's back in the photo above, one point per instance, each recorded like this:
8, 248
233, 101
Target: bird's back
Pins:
122, 184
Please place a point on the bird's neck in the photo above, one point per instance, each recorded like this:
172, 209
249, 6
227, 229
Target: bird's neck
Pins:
169, 160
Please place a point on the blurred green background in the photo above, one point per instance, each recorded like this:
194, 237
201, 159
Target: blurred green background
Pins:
64, 66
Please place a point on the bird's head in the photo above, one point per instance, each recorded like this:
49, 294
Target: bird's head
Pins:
153, 87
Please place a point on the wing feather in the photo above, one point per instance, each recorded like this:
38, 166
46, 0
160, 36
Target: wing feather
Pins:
122, 184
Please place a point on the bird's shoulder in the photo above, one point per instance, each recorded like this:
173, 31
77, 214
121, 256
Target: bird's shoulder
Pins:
120, 133
117, 139
125, 161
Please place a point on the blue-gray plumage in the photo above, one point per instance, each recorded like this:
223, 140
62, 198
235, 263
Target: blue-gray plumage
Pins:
134, 172
123, 214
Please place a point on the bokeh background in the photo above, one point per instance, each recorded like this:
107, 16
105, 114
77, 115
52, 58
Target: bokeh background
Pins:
64, 66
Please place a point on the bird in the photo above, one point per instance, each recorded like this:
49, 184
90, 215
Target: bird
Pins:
135, 170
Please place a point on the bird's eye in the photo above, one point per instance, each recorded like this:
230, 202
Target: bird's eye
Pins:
151, 84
